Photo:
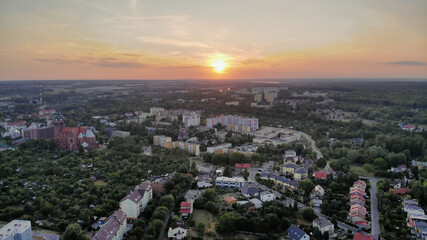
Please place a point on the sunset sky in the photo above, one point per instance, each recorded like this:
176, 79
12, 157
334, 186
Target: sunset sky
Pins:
179, 39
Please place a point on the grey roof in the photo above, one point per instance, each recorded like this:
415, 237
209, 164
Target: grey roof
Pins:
322, 222
249, 190
301, 170
295, 233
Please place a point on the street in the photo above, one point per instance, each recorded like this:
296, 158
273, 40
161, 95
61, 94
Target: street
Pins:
376, 230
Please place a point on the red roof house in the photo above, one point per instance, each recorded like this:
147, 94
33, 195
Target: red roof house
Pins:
186, 208
401, 190
362, 236
320, 175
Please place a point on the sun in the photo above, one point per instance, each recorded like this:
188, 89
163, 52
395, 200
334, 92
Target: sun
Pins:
219, 65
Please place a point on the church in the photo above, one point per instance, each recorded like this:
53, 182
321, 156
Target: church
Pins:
72, 137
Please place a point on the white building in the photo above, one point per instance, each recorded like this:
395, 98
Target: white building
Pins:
121, 134
17, 230
178, 232
191, 119
220, 149
267, 196
256, 202
155, 110
136, 201
234, 182
323, 225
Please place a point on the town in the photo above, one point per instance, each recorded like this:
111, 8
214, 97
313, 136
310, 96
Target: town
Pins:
226, 161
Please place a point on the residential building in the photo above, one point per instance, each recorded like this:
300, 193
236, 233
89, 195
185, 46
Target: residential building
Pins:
234, 123
258, 97
257, 203
267, 196
289, 168
178, 231
323, 225
318, 192
232, 103
204, 181
320, 175
300, 174
121, 134
233, 182
230, 200
270, 96
17, 230
161, 140
219, 149
114, 227
362, 236
186, 209
136, 201
295, 233
191, 118
192, 195
155, 110
242, 166
249, 191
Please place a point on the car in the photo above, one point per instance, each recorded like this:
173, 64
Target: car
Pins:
260, 170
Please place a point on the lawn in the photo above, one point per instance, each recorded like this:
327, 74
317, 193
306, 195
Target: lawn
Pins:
361, 171
203, 216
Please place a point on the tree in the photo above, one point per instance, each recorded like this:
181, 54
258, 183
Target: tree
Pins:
160, 213
226, 223
201, 229
167, 201
227, 171
158, 224
74, 232
381, 164
308, 214
306, 186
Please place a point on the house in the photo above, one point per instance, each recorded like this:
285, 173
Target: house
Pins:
323, 225
249, 191
230, 200
192, 195
17, 229
158, 184
186, 208
408, 202
400, 168
114, 227
289, 168
233, 182
316, 202
362, 236
289, 160
320, 175
267, 196
400, 191
300, 174
178, 231
363, 224
256, 202
296, 233
318, 192
307, 162
136, 201
204, 181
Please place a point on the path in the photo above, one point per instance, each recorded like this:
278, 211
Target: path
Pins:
376, 230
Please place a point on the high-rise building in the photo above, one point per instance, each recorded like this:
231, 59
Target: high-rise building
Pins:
191, 119
234, 123
258, 97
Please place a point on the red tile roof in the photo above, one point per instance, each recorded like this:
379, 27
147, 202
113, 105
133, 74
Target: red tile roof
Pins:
401, 190
361, 236
242, 165
186, 205
320, 175
185, 210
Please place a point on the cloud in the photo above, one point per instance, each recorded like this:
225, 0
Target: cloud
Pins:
408, 63
110, 64
173, 42
56, 60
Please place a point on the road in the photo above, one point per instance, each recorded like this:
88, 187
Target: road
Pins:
376, 230
252, 179
313, 145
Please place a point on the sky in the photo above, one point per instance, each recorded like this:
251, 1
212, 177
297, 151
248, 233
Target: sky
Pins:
189, 39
